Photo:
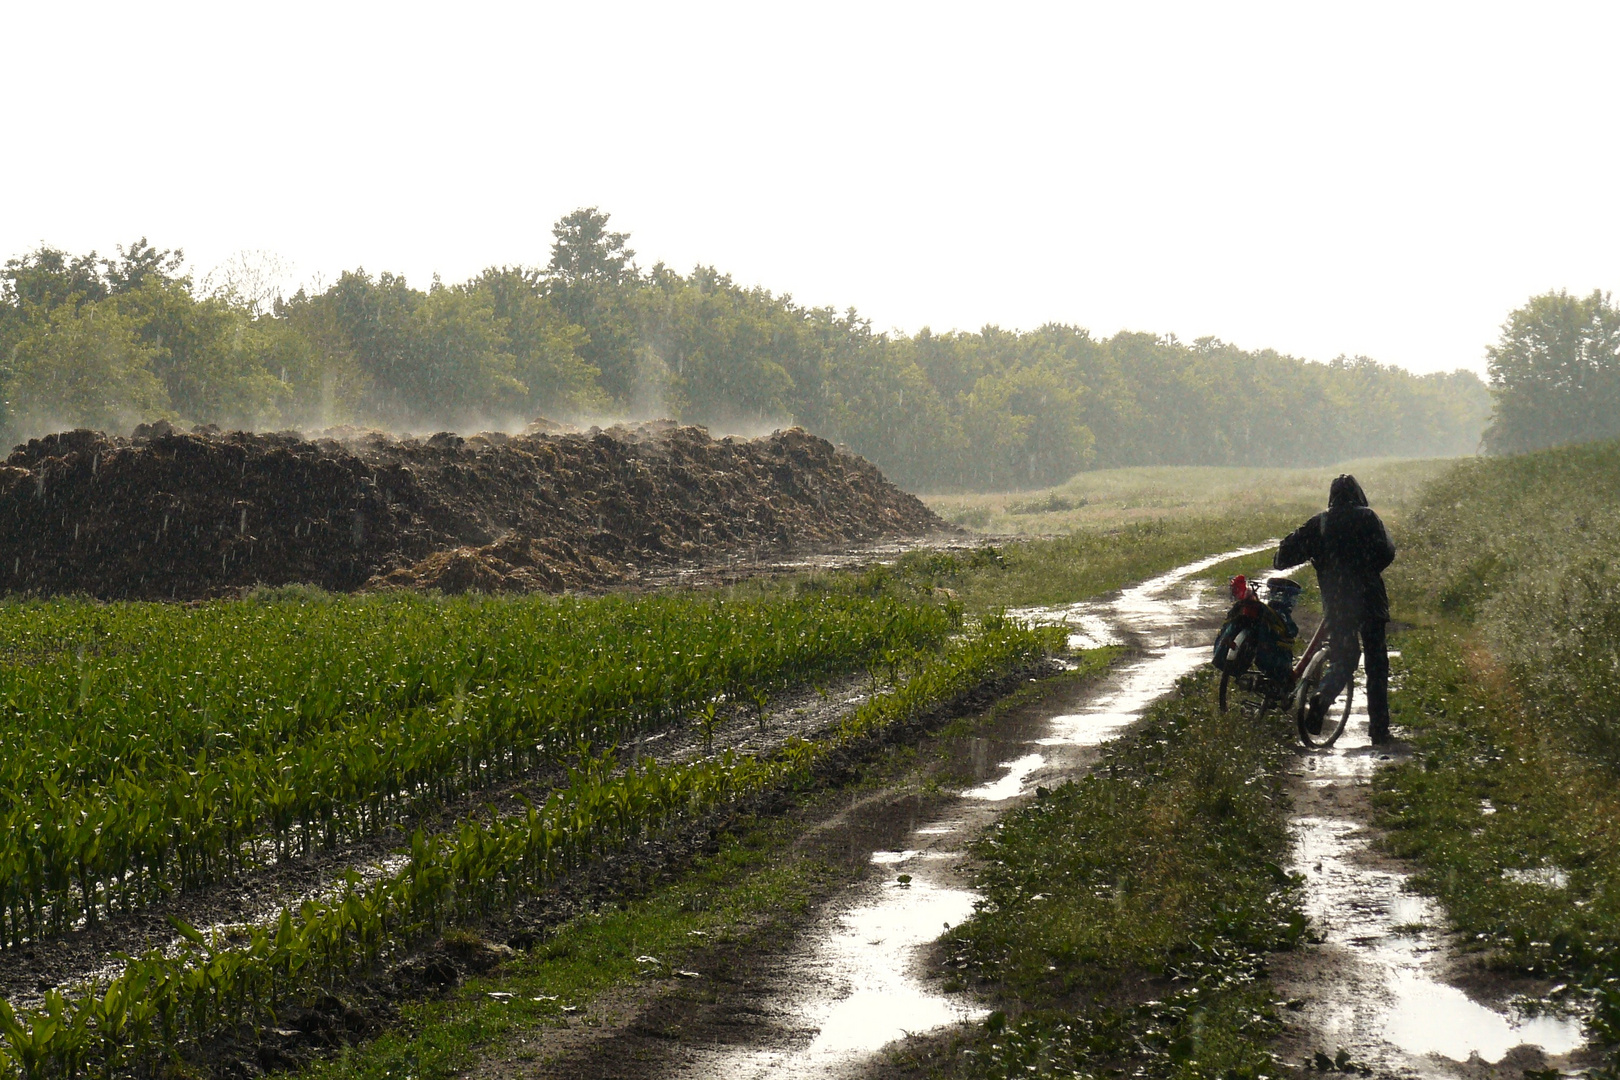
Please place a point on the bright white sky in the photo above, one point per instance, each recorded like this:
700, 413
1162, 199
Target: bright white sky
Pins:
1389, 180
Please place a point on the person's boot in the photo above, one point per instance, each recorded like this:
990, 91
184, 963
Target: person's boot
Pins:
1378, 714
1315, 714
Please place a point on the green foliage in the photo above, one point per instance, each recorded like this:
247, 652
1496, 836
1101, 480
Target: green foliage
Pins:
166, 1002
1160, 866
84, 364
1528, 548
146, 747
1555, 374
1488, 798
591, 333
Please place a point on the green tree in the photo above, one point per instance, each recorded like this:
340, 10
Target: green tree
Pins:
544, 344
209, 354
592, 278
1025, 430
83, 365
1555, 374
719, 344
586, 252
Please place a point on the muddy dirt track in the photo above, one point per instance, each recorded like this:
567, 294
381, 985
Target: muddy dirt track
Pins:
1387, 983
1383, 982
165, 515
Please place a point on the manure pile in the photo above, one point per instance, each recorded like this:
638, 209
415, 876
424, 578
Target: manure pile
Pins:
166, 515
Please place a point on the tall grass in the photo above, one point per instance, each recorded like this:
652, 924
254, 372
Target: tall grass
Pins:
1528, 550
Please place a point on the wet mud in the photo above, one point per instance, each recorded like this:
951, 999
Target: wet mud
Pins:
1386, 982
825, 1000
170, 515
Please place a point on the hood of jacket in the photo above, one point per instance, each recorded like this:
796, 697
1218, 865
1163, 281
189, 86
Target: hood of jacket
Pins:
1346, 491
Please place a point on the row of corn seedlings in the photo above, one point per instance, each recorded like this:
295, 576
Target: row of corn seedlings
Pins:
145, 748
164, 1004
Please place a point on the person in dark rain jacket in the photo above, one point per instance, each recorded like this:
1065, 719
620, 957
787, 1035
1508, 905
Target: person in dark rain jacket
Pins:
1349, 547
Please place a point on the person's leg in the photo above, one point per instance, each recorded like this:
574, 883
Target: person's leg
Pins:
1344, 650
1377, 661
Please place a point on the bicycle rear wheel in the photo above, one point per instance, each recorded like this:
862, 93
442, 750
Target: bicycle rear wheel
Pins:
1338, 716
1234, 691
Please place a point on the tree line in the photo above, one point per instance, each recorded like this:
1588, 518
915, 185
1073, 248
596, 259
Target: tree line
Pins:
109, 342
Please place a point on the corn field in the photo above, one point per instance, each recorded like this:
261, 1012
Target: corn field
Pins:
151, 748
146, 749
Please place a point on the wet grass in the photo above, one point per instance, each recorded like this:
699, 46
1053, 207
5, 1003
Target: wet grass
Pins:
1111, 498
1509, 692
1527, 551
1128, 914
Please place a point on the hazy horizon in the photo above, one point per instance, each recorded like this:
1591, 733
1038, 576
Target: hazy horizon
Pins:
1316, 182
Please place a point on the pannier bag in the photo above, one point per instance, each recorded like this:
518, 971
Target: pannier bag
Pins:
1258, 634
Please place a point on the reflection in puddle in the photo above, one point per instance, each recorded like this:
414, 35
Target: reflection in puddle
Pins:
1389, 996
1429, 1017
872, 949
1010, 785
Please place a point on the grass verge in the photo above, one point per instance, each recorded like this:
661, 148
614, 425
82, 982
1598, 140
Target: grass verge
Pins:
1509, 692
1128, 914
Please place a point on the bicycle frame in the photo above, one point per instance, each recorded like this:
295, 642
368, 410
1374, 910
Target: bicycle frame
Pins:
1318, 640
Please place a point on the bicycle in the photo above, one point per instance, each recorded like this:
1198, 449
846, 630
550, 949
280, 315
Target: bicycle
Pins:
1257, 692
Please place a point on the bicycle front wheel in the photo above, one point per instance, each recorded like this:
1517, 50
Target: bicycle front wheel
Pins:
1338, 716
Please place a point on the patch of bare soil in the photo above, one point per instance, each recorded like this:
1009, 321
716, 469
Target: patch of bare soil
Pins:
167, 515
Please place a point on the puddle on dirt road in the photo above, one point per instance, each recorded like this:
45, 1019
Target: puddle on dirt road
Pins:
1383, 997
855, 985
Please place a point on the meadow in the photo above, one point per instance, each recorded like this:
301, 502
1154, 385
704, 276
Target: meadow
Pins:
1112, 498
